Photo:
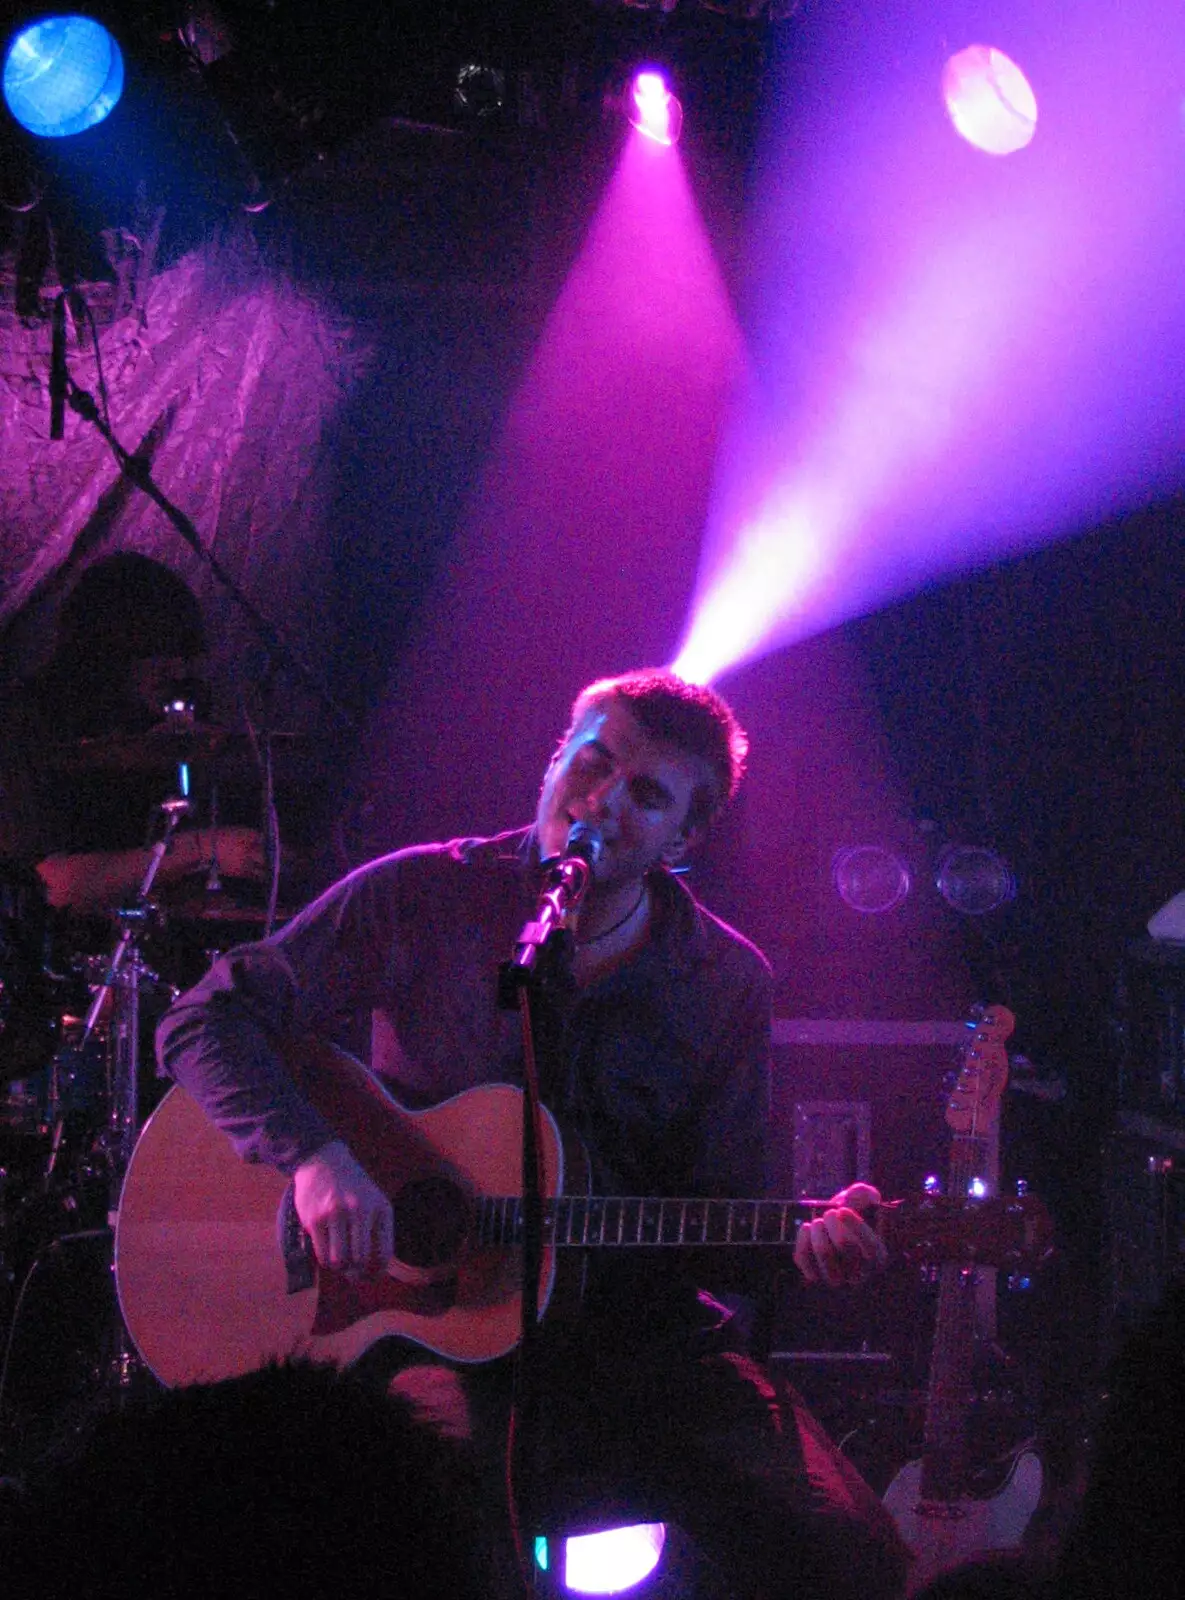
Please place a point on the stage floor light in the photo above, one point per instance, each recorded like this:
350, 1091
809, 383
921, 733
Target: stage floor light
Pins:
62, 75
989, 100
613, 1561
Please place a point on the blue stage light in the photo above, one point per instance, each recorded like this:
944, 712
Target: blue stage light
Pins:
62, 75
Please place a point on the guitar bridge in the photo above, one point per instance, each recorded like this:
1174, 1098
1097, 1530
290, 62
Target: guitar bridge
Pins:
296, 1248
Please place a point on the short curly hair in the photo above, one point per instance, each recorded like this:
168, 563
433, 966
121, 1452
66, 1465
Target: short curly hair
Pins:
689, 716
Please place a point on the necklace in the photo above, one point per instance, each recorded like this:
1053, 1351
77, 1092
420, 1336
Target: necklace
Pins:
584, 944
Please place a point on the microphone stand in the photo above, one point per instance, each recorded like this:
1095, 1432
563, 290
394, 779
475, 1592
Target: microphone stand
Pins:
138, 473
544, 945
58, 374
280, 653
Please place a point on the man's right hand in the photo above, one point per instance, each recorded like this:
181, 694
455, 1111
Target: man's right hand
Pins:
343, 1211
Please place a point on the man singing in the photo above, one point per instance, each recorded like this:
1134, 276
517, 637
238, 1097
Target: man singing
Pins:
653, 1034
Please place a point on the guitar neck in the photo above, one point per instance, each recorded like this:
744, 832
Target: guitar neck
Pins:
588, 1222
974, 1159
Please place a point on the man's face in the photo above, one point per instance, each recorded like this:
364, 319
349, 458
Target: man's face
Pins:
635, 788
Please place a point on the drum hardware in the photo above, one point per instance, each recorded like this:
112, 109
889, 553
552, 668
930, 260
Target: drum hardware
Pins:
65, 1356
174, 740
205, 913
28, 984
93, 1078
122, 982
71, 1114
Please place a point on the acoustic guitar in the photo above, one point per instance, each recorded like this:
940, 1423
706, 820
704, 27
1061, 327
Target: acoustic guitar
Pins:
215, 1275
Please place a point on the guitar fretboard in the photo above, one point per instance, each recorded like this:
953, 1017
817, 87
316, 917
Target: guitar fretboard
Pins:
950, 1390
589, 1222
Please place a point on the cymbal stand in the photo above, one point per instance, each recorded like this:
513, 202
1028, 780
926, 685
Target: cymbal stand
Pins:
122, 979
118, 1140
123, 1055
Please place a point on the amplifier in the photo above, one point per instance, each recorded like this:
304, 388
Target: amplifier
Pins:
857, 1099
1151, 1025
861, 1099
1144, 1216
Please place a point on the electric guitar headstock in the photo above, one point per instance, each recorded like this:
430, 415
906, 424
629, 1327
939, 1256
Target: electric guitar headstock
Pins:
975, 1099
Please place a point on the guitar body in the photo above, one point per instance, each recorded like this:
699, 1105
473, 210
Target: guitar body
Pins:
944, 1533
202, 1280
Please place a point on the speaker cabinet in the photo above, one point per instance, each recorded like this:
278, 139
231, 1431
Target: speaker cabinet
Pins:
1144, 1216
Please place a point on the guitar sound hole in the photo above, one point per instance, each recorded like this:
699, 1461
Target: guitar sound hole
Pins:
431, 1221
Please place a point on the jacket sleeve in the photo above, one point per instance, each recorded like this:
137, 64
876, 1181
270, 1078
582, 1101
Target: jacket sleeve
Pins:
322, 974
735, 1158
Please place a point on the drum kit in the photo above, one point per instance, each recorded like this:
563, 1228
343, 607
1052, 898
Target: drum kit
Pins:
77, 1081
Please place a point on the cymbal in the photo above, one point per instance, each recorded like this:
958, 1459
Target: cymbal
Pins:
167, 744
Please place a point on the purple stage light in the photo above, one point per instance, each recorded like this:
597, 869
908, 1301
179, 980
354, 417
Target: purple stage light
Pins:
578, 548
952, 360
989, 100
773, 565
653, 109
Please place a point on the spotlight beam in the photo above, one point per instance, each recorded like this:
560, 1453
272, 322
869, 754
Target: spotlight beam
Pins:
912, 380
958, 359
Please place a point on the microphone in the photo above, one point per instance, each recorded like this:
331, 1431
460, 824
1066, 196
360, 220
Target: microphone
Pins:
568, 878
585, 843
569, 874
59, 378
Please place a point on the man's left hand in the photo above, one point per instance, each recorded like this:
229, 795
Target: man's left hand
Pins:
839, 1248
